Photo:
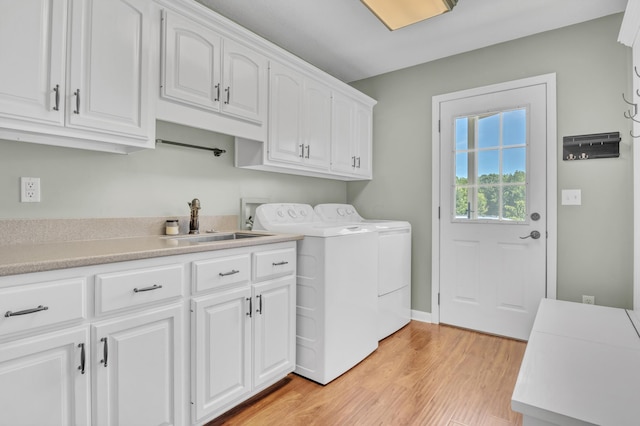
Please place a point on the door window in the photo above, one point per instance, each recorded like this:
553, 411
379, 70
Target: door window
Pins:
491, 167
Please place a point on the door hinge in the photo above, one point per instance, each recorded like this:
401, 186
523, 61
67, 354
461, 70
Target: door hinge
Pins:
438, 126
438, 299
438, 212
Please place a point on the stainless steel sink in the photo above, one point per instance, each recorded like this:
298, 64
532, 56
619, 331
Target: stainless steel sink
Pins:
214, 237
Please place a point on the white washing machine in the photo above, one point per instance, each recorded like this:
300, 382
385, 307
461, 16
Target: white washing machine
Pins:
394, 267
336, 322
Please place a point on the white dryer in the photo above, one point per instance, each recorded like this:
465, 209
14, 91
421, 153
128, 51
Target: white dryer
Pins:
394, 267
336, 322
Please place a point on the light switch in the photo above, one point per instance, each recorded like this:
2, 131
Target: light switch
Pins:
571, 197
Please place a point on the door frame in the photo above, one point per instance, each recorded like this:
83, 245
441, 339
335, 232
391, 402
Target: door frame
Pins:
549, 80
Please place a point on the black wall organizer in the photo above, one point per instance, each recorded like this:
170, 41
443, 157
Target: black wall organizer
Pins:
589, 147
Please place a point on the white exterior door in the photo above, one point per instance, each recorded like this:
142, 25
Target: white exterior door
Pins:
138, 369
42, 381
493, 210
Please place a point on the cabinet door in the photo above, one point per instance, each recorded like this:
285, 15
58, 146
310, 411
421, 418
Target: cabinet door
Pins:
138, 363
244, 83
42, 382
285, 114
343, 157
191, 63
109, 66
274, 329
222, 348
362, 140
317, 124
32, 48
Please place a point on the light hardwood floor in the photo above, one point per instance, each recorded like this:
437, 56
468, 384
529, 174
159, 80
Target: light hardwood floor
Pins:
424, 374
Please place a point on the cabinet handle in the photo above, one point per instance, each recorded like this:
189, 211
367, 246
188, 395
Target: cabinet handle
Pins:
308, 150
284, 262
250, 306
82, 358
353, 161
217, 99
301, 151
153, 287
105, 351
228, 90
77, 95
57, 90
224, 274
358, 162
26, 311
259, 310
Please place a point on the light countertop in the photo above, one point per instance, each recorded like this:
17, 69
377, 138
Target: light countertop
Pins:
37, 257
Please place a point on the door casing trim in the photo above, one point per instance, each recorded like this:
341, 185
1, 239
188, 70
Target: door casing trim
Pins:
549, 80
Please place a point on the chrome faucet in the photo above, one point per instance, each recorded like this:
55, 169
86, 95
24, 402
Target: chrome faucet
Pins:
194, 222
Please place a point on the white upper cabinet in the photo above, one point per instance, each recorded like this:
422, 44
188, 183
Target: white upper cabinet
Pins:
222, 82
285, 118
79, 73
244, 82
351, 137
299, 119
109, 66
191, 62
32, 46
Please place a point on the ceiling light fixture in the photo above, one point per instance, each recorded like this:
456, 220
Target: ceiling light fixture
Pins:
400, 13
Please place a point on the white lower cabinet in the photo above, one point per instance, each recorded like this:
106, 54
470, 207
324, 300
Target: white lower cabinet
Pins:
44, 380
243, 335
222, 350
126, 361
137, 362
274, 330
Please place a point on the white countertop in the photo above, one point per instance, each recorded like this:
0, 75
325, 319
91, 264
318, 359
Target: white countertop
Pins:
581, 366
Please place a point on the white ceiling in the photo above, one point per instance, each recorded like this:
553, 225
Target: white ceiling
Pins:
343, 38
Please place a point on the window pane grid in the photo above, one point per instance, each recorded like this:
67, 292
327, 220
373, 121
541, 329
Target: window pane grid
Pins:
490, 166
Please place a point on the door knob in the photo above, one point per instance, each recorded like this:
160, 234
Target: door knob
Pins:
534, 234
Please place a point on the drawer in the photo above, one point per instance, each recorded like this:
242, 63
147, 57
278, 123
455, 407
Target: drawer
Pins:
30, 306
128, 289
221, 272
273, 263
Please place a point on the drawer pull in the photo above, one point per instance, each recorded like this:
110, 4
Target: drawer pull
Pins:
224, 274
284, 262
105, 351
26, 311
82, 358
153, 287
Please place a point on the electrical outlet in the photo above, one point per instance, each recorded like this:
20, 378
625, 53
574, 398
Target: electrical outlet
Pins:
29, 190
589, 300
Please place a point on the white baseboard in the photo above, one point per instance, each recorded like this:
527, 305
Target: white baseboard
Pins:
421, 316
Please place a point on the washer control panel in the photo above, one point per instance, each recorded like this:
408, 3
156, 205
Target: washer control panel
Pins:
337, 213
284, 213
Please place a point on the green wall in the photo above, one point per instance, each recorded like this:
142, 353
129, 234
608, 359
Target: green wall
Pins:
84, 184
593, 70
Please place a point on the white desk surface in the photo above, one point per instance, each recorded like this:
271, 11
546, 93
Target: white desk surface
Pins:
581, 366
